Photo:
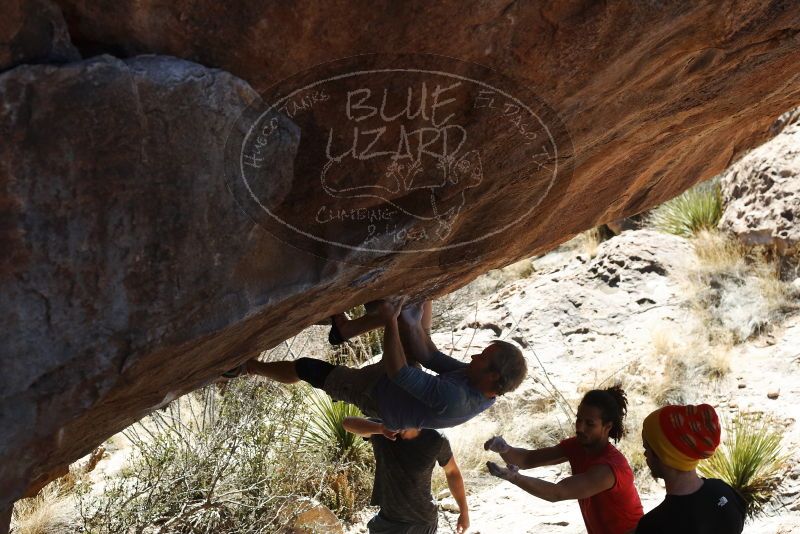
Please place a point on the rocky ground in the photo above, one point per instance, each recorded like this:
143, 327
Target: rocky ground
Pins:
623, 315
589, 315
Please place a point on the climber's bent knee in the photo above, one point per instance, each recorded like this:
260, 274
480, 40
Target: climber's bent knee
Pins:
313, 371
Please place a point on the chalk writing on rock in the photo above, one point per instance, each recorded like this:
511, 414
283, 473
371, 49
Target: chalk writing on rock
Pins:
395, 154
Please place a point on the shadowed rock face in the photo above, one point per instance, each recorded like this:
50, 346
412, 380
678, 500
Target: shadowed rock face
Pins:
33, 31
131, 272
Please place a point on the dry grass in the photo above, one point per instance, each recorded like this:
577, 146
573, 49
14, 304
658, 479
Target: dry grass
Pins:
716, 362
586, 243
52, 511
522, 423
684, 358
676, 386
54, 508
716, 252
677, 364
663, 341
467, 446
736, 292
519, 270
590, 241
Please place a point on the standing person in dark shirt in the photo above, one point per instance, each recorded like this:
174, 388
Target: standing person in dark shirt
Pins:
675, 438
602, 479
403, 467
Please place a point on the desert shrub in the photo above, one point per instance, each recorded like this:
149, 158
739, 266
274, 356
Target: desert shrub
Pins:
699, 208
348, 484
749, 459
213, 462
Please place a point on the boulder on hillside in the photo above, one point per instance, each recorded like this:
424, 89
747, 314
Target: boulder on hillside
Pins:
761, 193
631, 257
116, 215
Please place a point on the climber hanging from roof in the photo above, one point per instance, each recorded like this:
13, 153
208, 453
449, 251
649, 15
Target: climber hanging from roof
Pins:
394, 389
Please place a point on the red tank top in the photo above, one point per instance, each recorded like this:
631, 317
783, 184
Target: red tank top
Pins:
613, 511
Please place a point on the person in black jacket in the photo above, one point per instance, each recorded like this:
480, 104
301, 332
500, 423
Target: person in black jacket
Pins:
675, 439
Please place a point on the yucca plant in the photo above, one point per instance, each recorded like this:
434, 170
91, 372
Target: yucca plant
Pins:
699, 208
325, 431
348, 484
750, 460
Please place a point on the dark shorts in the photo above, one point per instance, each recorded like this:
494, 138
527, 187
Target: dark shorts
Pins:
347, 384
380, 525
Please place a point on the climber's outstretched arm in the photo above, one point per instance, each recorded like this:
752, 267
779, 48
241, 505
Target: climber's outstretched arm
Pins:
394, 358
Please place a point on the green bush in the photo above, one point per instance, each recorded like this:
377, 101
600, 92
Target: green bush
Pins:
750, 460
213, 462
699, 208
348, 484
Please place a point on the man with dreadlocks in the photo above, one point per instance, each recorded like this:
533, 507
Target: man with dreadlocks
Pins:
601, 481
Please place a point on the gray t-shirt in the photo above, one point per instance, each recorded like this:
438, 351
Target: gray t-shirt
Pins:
416, 399
403, 470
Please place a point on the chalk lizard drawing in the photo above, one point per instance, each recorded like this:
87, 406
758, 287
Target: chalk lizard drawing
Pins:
447, 196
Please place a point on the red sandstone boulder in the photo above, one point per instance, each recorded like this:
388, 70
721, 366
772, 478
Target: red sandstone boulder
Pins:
137, 265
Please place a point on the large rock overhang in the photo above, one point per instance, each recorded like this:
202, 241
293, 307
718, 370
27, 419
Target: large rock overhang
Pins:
131, 272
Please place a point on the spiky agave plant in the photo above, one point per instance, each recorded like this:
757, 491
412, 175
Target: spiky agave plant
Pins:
348, 479
325, 431
750, 460
699, 208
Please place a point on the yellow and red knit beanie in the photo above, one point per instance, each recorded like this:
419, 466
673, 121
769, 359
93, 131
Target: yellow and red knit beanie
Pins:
681, 436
